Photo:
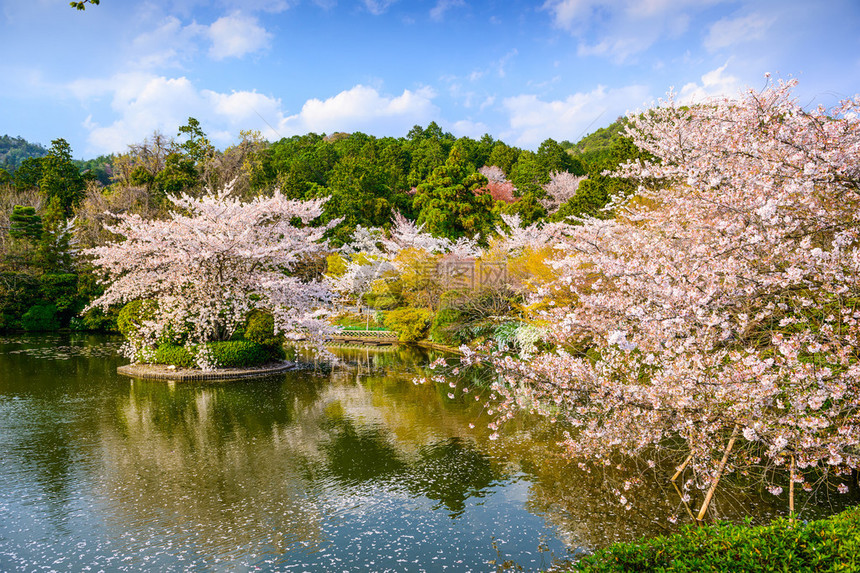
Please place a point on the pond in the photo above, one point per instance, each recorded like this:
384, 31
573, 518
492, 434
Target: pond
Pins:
348, 468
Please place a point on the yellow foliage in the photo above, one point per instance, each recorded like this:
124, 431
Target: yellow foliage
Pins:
335, 264
531, 269
418, 280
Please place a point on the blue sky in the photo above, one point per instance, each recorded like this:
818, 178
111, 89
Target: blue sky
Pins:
520, 71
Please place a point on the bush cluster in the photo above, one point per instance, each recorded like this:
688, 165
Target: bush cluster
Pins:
831, 544
40, 317
175, 355
227, 354
242, 353
444, 329
260, 328
409, 323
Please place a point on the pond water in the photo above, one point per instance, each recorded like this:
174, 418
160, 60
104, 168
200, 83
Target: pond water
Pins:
352, 468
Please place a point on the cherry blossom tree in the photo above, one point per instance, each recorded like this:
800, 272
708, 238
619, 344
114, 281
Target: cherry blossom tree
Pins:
498, 186
561, 188
202, 270
720, 309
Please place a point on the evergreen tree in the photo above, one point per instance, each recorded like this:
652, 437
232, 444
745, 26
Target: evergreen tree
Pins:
446, 202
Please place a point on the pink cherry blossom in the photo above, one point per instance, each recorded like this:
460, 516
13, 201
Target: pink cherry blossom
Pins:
209, 264
721, 300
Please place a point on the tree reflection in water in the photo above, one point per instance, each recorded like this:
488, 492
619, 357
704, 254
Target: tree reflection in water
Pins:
315, 468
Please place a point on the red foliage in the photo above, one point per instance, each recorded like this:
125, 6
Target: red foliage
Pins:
499, 191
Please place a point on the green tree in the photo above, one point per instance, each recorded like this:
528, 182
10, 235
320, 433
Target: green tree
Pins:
552, 157
25, 224
61, 177
594, 193
54, 247
359, 194
446, 202
504, 156
529, 174
528, 207
28, 174
179, 174
197, 146
82, 5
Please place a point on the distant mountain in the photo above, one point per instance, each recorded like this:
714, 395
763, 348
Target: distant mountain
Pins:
14, 150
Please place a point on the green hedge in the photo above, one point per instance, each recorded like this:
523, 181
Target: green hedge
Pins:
831, 544
241, 353
176, 355
228, 354
260, 328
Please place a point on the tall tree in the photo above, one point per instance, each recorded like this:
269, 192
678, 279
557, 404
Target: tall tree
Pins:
61, 177
447, 204
197, 146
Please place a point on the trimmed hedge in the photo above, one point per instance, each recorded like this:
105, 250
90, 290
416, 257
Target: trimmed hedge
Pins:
831, 544
227, 354
260, 328
242, 353
176, 355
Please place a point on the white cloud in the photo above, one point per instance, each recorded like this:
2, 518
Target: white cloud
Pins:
171, 43
377, 7
438, 11
714, 84
141, 103
501, 65
235, 35
469, 128
533, 120
244, 110
730, 32
271, 6
363, 108
168, 44
621, 29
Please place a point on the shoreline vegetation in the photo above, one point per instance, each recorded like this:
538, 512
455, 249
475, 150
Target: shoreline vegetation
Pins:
830, 544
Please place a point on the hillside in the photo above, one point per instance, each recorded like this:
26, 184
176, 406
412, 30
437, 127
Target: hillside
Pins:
14, 150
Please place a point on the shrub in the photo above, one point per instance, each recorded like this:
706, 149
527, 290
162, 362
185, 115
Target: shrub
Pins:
242, 353
129, 318
383, 294
96, 319
831, 544
227, 354
175, 355
60, 289
40, 317
380, 301
444, 329
410, 323
260, 328
335, 265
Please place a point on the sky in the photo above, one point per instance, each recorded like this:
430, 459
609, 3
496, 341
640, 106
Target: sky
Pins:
522, 72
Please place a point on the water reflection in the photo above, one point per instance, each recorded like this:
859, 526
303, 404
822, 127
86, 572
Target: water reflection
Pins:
347, 468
